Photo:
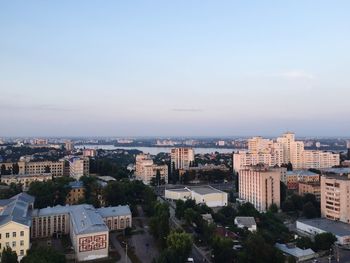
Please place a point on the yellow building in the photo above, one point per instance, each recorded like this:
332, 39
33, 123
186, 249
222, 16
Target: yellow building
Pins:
15, 221
310, 188
25, 179
76, 193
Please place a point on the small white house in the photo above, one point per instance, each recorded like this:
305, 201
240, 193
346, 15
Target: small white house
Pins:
246, 222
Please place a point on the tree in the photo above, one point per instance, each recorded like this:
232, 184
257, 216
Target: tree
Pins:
3, 169
8, 256
43, 255
180, 244
47, 169
15, 168
324, 241
309, 210
304, 243
257, 250
159, 224
222, 249
273, 208
283, 192
180, 209
248, 209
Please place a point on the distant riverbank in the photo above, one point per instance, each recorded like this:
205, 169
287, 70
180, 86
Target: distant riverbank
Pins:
154, 150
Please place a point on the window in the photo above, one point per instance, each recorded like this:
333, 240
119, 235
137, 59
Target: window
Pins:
13, 234
21, 252
7, 235
21, 243
7, 244
22, 233
13, 243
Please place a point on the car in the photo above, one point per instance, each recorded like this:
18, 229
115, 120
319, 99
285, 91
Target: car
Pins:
190, 260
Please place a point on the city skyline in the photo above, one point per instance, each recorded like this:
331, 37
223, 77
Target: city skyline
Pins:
186, 68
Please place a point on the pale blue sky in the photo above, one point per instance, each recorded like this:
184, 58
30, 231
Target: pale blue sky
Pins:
174, 67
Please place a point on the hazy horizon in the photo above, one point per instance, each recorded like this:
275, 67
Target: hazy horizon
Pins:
174, 69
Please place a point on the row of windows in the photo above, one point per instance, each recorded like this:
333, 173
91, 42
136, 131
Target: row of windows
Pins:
14, 234
7, 244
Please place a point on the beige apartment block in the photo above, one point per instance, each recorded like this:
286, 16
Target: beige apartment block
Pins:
25, 179
335, 197
33, 168
146, 170
181, 158
283, 150
260, 186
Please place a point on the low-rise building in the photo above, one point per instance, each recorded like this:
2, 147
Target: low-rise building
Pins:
15, 223
312, 227
246, 222
208, 195
293, 178
310, 188
299, 254
55, 168
25, 179
76, 193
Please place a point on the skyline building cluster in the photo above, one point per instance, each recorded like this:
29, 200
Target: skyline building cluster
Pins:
283, 150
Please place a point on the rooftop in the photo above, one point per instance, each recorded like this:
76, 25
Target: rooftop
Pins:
301, 173
337, 170
335, 227
48, 211
85, 219
245, 221
205, 190
119, 210
76, 184
106, 178
17, 209
295, 251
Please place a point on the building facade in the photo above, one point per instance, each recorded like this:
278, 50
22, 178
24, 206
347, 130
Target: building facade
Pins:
25, 179
78, 167
181, 158
76, 193
260, 186
146, 170
34, 168
310, 188
335, 197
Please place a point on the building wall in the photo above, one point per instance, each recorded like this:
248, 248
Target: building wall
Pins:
260, 187
79, 167
177, 195
335, 198
74, 195
47, 226
34, 168
310, 188
25, 180
118, 222
181, 158
211, 200
16, 236
146, 169
90, 246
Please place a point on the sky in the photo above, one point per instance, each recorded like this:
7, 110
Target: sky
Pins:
174, 68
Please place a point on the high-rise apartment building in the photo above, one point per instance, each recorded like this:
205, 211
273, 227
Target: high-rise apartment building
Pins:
181, 158
260, 186
335, 197
282, 151
146, 170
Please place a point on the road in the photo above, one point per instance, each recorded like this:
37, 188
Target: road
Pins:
118, 247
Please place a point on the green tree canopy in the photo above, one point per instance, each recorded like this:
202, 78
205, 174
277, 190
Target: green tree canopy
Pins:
8, 256
43, 255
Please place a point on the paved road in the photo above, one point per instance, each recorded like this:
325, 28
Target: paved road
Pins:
121, 251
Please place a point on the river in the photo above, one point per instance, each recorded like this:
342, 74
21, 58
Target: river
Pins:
153, 150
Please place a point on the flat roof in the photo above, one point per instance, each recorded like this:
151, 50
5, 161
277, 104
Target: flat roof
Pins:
247, 221
337, 170
120, 210
106, 178
301, 172
178, 190
205, 190
336, 227
76, 184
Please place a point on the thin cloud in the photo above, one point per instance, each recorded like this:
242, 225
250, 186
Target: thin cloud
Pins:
39, 107
186, 110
